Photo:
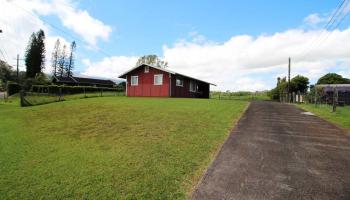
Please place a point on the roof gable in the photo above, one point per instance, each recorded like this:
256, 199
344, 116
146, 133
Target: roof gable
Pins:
161, 69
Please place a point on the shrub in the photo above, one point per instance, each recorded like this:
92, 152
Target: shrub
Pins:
13, 88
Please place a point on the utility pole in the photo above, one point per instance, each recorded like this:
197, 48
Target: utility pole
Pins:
17, 67
289, 80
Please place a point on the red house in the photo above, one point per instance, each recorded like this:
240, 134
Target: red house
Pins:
150, 81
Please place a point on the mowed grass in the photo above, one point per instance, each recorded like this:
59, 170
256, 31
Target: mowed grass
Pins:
341, 117
110, 148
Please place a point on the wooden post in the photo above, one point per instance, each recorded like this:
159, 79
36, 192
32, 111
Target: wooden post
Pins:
335, 99
21, 94
315, 98
59, 94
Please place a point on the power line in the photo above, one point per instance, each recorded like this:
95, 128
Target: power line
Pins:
320, 38
331, 27
59, 29
3, 56
338, 24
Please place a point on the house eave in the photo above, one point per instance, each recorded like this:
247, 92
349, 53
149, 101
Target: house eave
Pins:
123, 76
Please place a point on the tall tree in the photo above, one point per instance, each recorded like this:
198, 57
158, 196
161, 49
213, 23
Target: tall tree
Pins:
5, 72
299, 84
152, 60
71, 59
280, 89
55, 57
30, 56
35, 54
62, 62
333, 78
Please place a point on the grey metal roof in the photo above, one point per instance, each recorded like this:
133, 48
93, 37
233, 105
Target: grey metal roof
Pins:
331, 87
81, 80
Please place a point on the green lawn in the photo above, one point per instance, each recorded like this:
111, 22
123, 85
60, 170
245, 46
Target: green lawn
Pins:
111, 147
341, 117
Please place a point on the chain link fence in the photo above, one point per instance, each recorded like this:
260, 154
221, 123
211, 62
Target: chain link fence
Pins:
239, 95
39, 94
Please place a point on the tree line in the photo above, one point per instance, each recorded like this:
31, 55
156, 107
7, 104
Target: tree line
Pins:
62, 61
300, 84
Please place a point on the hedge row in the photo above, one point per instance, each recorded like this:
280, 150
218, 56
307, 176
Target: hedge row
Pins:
13, 88
56, 89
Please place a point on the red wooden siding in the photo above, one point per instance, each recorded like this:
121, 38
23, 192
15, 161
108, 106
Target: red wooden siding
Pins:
146, 85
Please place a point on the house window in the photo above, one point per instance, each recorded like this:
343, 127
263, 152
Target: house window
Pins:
179, 82
158, 79
134, 80
193, 86
146, 69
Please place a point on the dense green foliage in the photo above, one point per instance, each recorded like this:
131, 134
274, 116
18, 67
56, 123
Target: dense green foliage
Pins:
35, 54
110, 148
333, 78
341, 117
12, 88
280, 89
6, 72
299, 84
152, 60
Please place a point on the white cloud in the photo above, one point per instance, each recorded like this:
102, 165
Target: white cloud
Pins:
20, 18
81, 22
314, 19
109, 67
77, 20
17, 27
247, 63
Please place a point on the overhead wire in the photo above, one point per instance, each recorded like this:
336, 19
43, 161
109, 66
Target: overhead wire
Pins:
337, 14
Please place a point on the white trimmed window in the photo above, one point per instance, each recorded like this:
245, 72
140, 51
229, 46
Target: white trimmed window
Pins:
179, 82
158, 79
146, 69
193, 86
134, 80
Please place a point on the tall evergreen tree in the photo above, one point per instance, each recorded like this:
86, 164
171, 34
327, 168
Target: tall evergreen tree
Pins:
35, 54
55, 57
62, 62
30, 56
71, 59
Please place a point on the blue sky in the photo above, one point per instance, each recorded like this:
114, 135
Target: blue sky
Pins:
240, 45
143, 27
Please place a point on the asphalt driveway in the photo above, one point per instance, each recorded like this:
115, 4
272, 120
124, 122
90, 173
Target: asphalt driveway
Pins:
275, 152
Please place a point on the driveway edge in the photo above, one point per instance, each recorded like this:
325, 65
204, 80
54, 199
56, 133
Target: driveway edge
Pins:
205, 172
